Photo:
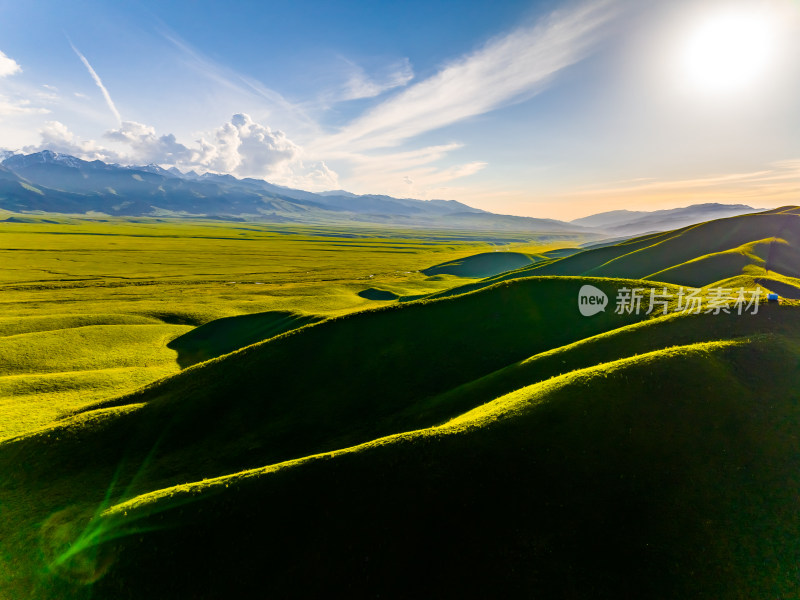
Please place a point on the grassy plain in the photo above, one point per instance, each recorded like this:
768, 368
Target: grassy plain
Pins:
90, 307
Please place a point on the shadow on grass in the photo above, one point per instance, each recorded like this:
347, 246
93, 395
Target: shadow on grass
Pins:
485, 264
376, 294
231, 333
785, 290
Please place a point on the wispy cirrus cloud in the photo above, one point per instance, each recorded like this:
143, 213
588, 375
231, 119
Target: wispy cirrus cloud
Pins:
359, 85
241, 85
509, 68
775, 184
407, 172
10, 107
16, 104
99, 83
429, 182
400, 161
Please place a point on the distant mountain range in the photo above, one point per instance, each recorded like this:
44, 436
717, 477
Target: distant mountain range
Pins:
625, 223
59, 183
52, 182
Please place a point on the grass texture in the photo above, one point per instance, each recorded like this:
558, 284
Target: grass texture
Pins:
461, 432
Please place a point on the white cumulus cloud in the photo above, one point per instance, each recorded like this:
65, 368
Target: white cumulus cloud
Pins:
57, 137
149, 147
312, 176
241, 147
8, 66
247, 148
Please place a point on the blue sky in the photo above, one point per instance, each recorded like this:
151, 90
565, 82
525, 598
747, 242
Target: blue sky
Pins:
552, 109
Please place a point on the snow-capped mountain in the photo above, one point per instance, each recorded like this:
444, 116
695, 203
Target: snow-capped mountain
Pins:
54, 182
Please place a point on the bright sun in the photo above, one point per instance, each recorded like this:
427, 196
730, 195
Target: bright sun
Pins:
728, 51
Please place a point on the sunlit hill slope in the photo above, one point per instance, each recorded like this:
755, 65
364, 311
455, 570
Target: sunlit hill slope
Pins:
748, 250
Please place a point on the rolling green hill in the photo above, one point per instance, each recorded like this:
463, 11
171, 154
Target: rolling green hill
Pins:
482, 265
263, 403
666, 475
718, 250
764, 248
485, 441
616, 467
56, 363
225, 335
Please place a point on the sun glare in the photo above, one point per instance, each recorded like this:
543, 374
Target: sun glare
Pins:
728, 51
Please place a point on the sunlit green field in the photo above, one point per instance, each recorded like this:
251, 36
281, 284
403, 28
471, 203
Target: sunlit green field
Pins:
89, 306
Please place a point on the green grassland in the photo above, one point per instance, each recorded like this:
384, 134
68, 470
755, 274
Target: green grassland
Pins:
89, 301
362, 413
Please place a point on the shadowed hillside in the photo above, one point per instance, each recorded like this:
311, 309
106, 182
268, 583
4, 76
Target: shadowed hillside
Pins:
225, 335
482, 265
264, 403
326, 386
664, 475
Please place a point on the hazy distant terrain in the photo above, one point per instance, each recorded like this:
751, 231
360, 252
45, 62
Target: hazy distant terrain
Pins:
632, 222
58, 183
